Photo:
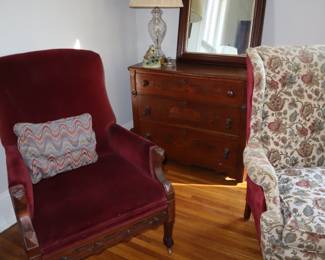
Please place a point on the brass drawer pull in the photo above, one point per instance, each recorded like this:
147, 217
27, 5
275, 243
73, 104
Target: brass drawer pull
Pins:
145, 83
228, 123
226, 153
230, 93
147, 111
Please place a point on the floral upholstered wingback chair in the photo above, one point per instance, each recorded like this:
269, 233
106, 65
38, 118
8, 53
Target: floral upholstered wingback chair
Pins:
285, 154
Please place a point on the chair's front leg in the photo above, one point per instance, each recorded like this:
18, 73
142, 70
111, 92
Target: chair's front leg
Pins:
19, 200
247, 212
156, 160
169, 226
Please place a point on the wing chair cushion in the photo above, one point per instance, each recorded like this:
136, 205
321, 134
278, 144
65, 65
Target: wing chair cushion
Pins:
68, 209
302, 193
56, 146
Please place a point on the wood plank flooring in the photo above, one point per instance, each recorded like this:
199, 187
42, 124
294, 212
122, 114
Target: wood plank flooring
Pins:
209, 224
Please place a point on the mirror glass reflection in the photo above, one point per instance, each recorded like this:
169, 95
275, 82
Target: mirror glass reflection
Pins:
220, 26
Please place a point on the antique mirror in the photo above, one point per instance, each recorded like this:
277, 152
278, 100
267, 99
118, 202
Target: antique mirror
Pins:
219, 31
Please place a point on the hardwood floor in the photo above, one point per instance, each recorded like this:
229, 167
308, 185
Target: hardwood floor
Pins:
209, 224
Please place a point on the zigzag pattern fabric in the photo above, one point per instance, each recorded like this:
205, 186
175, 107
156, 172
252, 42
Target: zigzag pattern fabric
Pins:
56, 146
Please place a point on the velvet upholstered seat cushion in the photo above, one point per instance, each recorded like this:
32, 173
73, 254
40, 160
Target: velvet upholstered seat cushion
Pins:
68, 208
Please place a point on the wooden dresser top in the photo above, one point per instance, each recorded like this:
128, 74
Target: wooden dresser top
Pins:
192, 69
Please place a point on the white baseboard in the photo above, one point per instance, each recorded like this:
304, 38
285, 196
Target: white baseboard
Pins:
7, 215
128, 125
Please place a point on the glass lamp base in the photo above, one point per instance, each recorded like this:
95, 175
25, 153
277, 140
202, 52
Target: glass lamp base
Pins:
157, 30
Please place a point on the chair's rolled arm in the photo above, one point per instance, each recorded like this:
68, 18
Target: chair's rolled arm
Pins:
139, 152
156, 168
19, 200
261, 172
133, 148
156, 159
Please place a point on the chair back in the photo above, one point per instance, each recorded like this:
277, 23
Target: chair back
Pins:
47, 85
288, 104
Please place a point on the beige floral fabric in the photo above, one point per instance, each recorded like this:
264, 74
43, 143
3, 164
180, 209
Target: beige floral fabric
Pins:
272, 242
288, 134
292, 112
262, 173
302, 194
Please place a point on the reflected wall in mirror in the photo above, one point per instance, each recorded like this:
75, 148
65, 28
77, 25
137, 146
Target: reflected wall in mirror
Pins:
219, 26
219, 31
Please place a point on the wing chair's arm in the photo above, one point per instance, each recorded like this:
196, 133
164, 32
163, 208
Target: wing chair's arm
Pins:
263, 174
142, 153
18, 174
19, 200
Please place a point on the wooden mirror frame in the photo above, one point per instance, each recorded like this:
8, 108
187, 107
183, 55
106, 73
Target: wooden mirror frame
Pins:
234, 60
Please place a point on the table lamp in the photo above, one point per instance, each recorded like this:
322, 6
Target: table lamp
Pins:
157, 27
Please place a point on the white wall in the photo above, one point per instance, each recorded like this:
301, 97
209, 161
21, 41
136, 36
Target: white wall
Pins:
294, 22
105, 26
3, 170
7, 216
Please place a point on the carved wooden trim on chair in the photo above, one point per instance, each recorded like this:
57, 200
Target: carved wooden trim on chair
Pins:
156, 159
19, 200
100, 242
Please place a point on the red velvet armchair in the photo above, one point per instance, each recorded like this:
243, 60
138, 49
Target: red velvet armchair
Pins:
84, 211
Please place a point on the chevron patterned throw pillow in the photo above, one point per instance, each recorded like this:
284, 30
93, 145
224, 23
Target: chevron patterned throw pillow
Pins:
56, 146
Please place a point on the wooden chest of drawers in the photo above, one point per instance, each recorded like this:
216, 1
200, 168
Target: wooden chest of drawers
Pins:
197, 113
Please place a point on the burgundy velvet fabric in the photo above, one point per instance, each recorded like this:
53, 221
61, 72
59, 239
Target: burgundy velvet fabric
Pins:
256, 201
250, 88
42, 86
134, 148
47, 85
85, 201
255, 195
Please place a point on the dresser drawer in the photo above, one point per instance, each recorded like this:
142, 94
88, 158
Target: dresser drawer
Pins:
225, 91
192, 146
189, 113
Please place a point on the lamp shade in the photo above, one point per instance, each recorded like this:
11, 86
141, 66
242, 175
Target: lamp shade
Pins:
156, 3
